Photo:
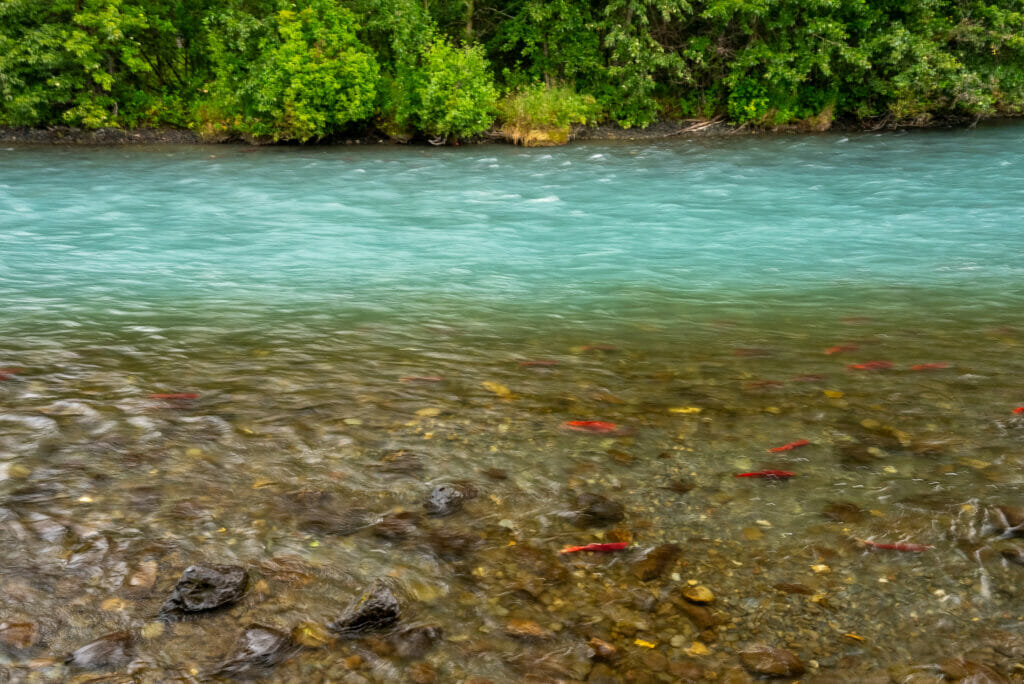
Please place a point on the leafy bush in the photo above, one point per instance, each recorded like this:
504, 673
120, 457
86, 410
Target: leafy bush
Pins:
301, 73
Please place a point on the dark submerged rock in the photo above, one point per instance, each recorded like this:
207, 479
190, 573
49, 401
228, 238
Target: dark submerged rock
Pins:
257, 650
1015, 555
597, 510
204, 587
844, 512
376, 610
445, 500
108, 652
764, 660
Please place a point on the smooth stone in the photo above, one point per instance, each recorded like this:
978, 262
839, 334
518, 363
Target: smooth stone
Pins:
376, 610
698, 594
19, 634
203, 588
257, 650
602, 650
959, 669
527, 629
762, 659
1009, 520
413, 643
400, 525
422, 673
844, 512
109, 651
594, 509
657, 562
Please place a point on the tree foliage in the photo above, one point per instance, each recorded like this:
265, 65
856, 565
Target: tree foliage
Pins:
303, 69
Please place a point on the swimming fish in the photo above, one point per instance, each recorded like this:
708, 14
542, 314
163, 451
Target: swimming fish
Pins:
899, 546
598, 427
791, 445
840, 348
604, 548
175, 395
6, 373
871, 365
769, 474
929, 366
1019, 409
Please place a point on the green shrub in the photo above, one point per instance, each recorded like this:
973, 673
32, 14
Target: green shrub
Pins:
546, 106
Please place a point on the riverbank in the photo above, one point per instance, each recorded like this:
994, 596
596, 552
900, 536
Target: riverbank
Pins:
660, 130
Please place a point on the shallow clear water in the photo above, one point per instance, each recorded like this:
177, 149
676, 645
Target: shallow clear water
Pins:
354, 323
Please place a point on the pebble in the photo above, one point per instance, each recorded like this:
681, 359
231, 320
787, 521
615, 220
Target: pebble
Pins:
19, 634
527, 629
657, 561
258, 649
762, 659
698, 594
596, 510
109, 651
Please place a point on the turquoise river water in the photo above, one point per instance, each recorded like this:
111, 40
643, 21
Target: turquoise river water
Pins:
270, 358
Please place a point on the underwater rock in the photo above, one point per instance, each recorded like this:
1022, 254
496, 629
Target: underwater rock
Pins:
413, 643
447, 499
401, 463
376, 610
961, 670
342, 523
204, 587
1009, 520
698, 594
842, 511
764, 660
657, 561
596, 510
258, 649
19, 634
400, 525
527, 629
109, 651
1014, 555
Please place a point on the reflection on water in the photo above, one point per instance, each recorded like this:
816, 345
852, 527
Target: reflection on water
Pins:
204, 389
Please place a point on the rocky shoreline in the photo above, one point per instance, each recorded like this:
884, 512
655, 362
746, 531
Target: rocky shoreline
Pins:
660, 130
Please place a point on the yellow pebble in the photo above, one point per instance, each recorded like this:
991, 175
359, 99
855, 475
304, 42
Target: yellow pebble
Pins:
645, 644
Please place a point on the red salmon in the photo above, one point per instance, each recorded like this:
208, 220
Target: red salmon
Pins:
871, 365
840, 348
929, 366
604, 548
769, 474
899, 546
791, 445
599, 427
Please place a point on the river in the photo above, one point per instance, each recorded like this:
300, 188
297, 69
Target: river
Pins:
433, 370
